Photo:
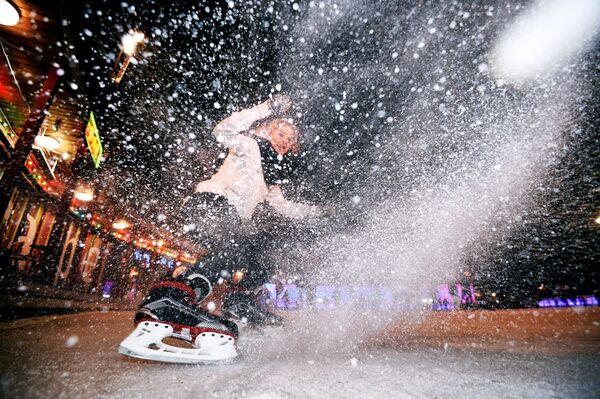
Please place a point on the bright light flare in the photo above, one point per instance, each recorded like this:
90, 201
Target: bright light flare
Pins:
545, 38
84, 194
121, 225
238, 276
130, 40
47, 142
9, 15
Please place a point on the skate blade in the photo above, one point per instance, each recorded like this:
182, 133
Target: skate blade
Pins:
145, 342
167, 358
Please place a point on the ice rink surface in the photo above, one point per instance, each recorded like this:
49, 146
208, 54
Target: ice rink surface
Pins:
502, 354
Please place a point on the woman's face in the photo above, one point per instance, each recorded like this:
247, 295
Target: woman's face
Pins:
283, 137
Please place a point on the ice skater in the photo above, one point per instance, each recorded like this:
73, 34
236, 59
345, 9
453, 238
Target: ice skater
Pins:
258, 140
236, 213
223, 215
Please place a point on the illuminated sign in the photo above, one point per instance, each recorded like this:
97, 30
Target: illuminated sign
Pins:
7, 129
92, 137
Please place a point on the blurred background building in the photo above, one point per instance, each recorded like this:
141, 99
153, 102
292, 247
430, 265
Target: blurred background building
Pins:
59, 230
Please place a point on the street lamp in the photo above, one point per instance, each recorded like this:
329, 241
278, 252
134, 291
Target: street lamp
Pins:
129, 43
47, 142
121, 224
84, 193
9, 13
130, 40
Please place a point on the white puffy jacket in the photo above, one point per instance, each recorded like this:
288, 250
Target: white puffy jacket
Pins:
240, 179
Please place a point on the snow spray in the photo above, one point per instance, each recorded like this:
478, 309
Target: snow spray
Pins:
438, 156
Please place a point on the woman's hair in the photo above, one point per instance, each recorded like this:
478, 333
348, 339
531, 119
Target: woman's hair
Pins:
286, 127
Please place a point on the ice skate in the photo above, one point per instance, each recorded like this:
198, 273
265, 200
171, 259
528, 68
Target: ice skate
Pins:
245, 308
169, 312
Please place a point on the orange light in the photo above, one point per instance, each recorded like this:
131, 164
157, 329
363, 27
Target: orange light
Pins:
121, 224
238, 276
84, 193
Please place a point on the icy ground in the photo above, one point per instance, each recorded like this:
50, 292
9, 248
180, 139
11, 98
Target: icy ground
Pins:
508, 354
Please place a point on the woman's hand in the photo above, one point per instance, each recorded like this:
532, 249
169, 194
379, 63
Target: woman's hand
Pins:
275, 191
279, 104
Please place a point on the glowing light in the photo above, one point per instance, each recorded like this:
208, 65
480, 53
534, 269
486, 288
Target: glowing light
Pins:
597, 220
129, 43
121, 224
47, 142
545, 38
238, 276
588, 300
130, 40
9, 14
66, 156
84, 194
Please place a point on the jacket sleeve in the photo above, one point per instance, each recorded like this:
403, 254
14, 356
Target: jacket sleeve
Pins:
291, 209
227, 132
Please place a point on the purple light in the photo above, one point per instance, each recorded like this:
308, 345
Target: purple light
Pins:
459, 292
387, 298
107, 288
472, 291
444, 299
293, 295
365, 296
325, 296
345, 295
272, 291
442, 306
589, 300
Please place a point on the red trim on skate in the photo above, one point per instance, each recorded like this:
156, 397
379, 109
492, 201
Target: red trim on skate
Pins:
178, 285
194, 331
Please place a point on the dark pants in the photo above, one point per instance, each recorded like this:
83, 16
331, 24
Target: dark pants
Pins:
212, 222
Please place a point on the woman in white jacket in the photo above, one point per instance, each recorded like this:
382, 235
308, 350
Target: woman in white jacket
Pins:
220, 212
